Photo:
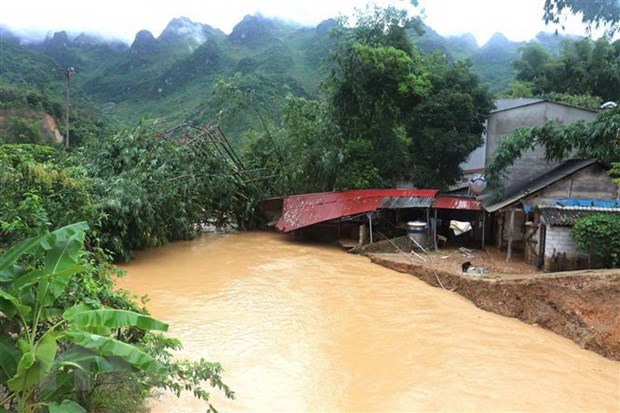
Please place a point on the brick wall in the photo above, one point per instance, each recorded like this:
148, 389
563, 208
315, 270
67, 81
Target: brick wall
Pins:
561, 251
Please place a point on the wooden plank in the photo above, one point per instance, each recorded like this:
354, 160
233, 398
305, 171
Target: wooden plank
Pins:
511, 233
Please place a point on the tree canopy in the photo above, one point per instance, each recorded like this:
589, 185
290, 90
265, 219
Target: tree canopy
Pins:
583, 68
595, 13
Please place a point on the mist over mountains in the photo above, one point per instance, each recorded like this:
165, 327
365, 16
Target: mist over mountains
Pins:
172, 76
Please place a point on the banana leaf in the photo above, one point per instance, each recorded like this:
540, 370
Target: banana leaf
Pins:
106, 346
112, 318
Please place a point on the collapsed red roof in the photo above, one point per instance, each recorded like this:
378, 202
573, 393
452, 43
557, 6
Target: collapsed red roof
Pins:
300, 211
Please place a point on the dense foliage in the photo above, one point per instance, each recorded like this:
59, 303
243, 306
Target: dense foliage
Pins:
25, 107
150, 190
139, 190
65, 343
37, 192
583, 68
599, 235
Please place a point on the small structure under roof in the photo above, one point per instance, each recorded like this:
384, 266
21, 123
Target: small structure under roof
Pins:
471, 206
536, 216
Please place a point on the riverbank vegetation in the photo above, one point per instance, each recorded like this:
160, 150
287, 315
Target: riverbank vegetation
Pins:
68, 338
70, 343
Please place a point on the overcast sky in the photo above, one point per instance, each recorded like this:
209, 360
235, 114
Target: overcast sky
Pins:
122, 19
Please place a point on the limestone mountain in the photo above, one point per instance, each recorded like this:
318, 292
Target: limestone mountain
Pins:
493, 61
172, 77
182, 33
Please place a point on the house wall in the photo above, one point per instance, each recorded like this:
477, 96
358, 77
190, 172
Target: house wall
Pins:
562, 252
592, 182
532, 162
477, 159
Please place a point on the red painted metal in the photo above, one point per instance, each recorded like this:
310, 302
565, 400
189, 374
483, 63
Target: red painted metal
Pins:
448, 202
300, 211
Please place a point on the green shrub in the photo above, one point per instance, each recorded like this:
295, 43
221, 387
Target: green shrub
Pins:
38, 192
70, 342
23, 130
599, 235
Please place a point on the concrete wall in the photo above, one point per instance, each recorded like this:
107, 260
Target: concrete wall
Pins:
533, 162
562, 252
477, 159
560, 240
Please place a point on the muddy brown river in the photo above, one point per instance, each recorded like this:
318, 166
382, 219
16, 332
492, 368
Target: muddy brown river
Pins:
301, 327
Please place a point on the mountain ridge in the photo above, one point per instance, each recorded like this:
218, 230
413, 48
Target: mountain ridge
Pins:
170, 76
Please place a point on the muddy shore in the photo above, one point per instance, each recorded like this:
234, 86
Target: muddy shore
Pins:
580, 305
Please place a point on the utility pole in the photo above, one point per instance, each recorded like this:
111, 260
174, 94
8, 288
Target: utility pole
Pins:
68, 73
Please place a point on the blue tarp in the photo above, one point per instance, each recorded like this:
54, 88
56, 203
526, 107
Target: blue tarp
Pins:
587, 203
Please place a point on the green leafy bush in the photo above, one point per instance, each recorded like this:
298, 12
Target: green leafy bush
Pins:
150, 191
599, 235
23, 130
65, 344
38, 192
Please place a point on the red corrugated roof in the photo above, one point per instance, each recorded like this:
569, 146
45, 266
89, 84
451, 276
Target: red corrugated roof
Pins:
449, 202
300, 211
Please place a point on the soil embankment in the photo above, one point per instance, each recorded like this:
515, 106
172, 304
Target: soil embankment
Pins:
580, 305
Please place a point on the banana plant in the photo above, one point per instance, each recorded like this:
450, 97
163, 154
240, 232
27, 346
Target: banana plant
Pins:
45, 350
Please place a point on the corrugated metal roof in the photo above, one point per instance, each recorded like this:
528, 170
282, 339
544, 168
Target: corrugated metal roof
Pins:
449, 202
566, 215
300, 211
514, 194
397, 202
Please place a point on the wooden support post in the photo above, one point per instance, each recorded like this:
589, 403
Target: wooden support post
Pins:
484, 214
370, 227
511, 231
435, 231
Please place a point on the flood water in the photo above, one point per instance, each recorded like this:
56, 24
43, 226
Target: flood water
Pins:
300, 327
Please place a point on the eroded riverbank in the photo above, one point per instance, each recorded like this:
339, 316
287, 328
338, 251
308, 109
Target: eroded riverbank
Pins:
580, 305
300, 327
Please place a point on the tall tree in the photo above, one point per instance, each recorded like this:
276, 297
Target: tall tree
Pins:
390, 113
402, 115
447, 125
376, 79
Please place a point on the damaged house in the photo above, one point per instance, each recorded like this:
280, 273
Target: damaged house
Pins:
536, 216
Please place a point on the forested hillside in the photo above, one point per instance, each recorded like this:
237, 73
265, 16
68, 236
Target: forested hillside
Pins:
189, 70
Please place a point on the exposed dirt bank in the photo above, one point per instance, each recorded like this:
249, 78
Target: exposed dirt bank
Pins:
580, 305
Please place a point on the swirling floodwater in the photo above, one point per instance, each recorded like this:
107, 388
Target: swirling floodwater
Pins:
303, 327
